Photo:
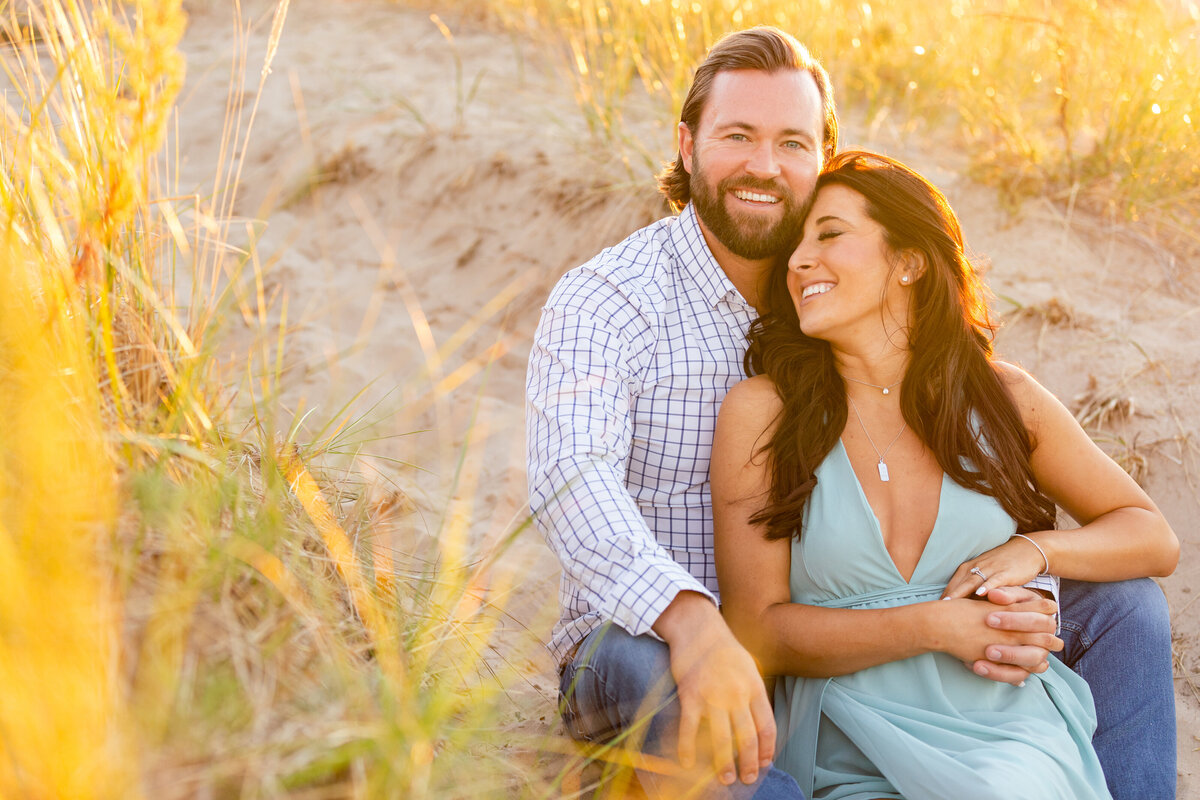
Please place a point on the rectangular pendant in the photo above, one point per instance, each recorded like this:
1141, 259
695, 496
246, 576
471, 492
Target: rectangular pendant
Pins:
883, 473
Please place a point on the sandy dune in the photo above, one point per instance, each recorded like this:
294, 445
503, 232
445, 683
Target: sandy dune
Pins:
404, 213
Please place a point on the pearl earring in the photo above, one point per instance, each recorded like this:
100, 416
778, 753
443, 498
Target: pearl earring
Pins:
904, 279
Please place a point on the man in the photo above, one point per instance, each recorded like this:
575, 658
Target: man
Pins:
633, 355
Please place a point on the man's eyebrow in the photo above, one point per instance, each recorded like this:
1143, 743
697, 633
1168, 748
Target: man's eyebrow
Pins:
795, 133
800, 134
733, 123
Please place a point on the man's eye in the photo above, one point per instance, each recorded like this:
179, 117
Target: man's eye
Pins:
738, 137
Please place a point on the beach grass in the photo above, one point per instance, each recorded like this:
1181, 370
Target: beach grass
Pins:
194, 603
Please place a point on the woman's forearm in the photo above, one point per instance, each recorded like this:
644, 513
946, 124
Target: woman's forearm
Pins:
1125, 543
810, 641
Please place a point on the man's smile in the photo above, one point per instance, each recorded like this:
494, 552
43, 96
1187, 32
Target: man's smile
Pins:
755, 197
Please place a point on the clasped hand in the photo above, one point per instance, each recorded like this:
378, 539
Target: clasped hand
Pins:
1005, 637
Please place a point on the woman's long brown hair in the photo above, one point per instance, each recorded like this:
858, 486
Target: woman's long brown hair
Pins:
952, 395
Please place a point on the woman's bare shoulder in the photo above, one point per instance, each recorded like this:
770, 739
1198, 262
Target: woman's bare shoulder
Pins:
1034, 401
1024, 387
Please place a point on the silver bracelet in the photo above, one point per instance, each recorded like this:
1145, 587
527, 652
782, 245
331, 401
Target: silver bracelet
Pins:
1046, 571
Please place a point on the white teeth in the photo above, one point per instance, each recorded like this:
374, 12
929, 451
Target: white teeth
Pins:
816, 288
741, 194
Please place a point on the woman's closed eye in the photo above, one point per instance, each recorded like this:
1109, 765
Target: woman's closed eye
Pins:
823, 235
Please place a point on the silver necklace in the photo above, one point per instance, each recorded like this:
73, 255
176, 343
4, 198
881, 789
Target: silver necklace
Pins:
886, 389
883, 470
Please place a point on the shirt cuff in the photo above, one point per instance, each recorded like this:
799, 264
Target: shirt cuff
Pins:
1048, 583
649, 586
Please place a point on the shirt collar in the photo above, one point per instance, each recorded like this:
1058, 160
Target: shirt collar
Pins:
698, 262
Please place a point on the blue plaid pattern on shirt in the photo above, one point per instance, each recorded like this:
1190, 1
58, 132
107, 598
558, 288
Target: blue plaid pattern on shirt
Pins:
632, 357
634, 353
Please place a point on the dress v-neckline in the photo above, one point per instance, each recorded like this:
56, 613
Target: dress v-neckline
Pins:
879, 528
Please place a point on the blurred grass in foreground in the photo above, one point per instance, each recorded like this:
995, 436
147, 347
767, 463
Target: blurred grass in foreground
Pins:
187, 607
1091, 103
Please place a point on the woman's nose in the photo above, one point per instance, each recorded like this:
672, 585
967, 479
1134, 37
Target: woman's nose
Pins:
799, 260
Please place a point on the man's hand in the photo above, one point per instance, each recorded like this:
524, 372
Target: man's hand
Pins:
1018, 609
717, 681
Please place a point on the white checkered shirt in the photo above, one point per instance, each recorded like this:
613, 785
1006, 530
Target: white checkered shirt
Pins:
634, 353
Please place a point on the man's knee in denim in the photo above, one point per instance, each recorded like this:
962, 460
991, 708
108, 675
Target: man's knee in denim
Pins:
617, 685
1134, 611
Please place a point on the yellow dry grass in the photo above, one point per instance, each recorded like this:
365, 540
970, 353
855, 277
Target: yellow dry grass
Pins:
185, 611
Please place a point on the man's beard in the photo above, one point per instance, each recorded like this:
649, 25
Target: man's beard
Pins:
746, 236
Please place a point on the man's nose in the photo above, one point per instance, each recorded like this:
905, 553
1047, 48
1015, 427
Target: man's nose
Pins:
763, 163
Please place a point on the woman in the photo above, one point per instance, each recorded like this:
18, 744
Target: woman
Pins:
879, 473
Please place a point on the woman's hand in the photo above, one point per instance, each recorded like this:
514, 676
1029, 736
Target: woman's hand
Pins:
1014, 563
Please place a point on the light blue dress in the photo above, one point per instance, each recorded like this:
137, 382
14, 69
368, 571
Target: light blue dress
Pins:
925, 727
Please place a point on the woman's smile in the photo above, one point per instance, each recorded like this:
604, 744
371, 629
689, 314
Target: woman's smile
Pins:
815, 289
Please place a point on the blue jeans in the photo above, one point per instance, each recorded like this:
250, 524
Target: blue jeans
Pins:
1118, 638
617, 684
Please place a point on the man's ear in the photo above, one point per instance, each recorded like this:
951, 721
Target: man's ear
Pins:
686, 143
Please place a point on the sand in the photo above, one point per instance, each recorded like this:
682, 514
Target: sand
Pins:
414, 194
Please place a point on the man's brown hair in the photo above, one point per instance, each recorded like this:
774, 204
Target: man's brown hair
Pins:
762, 48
